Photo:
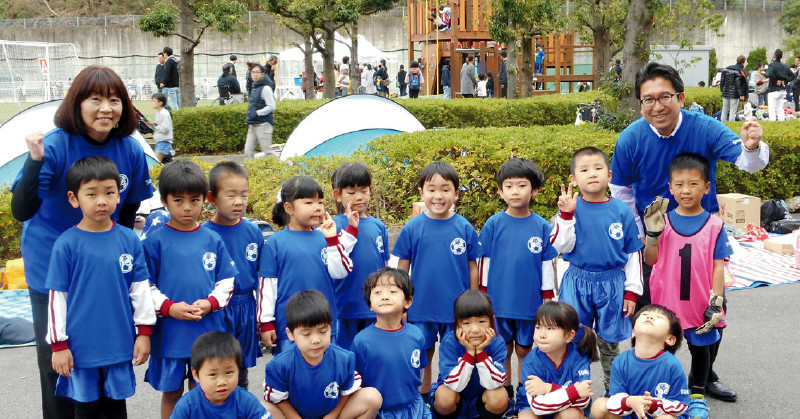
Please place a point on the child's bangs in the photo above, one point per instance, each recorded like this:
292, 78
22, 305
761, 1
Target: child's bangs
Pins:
308, 188
551, 315
473, 303
352, 175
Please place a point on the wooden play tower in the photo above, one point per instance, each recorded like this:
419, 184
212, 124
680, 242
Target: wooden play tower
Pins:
469, 34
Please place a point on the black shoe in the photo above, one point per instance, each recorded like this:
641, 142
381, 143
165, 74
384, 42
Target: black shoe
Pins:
720, 391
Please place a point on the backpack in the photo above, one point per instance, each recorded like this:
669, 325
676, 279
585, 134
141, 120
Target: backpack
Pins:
413, 81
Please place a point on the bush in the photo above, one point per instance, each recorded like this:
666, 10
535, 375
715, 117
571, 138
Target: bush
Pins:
10, 229
709, 98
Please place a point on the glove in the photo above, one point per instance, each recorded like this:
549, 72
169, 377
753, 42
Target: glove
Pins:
713, 313
654, 220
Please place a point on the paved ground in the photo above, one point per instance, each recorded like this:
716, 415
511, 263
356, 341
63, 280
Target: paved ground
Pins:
758, 359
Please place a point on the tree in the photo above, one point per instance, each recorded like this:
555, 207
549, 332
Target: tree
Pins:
365, 8
514, 23
758, 55
196, 17
790, 19
603, 19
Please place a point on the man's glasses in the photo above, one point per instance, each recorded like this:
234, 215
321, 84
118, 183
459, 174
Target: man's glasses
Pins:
664, 99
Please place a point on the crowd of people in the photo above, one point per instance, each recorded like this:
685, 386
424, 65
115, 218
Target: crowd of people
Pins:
336, 306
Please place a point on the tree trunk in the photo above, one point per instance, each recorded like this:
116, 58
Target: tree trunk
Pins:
602, 56
327, 64
636, 49
308, 60
512, 71
186, 64
355, 75
526, 86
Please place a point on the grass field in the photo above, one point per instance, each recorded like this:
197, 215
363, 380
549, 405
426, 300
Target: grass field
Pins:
8, 110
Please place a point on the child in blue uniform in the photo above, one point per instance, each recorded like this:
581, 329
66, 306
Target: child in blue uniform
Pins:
352, 188
192, 276
440, 249
557, 370
303, 255
687, 248
228, 192
389, 352
517, 267
98, 293
598, 236
216, 357
648, 381
315, 378
471, 359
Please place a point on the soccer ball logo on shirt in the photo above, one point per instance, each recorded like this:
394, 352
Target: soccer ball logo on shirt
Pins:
458, 246
209, 261
324, 256
125, 263
535, 245
415, 358
379, 244
615, 231
123, 182
332, 391
252, 252
661, 391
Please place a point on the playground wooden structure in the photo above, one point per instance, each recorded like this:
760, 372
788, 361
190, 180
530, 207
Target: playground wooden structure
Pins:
469, 34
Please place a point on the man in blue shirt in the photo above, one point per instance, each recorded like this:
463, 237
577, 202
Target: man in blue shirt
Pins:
645, 148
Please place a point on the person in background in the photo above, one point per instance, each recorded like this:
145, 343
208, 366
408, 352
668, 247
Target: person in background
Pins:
344, 76
249, 79
260, 115
159, 77
233, 59
796, 84
270, 68
162, 131
401, 80
503, 76
414, 80
171, 84
779, 77
762, 83
381, 77
733, 84
469, 80
446, 79
489, 84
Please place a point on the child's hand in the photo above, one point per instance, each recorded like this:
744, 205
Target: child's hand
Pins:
328, 227
640, 404
490, 334
183, 311
462, 339
62, 362
202, 307
352, 216
628, 307
269, 337
536, 387
584, 389
567, 201
141, 350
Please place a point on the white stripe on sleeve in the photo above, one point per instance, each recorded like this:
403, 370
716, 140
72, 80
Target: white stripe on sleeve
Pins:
144, 314
267, 298
57, 317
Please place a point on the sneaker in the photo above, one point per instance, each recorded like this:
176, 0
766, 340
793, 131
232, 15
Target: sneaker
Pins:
698, 408
511, 412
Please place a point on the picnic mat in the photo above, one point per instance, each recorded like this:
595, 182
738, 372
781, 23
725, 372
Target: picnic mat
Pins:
16, 303
751, 266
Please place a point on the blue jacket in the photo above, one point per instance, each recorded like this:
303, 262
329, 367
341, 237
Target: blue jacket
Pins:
445, 76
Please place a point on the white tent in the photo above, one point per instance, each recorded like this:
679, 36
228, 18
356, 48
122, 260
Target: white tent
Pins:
343, 125
14, 151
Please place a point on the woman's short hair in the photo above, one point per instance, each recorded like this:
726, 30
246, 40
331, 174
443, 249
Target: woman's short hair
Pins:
100, 80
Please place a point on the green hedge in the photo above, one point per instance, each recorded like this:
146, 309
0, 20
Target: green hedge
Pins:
10, 229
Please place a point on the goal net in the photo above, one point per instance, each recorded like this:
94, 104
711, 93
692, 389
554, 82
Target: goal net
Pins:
34, 72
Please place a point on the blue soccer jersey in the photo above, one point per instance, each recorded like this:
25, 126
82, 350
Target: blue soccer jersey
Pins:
97, 271
244, 242
185, 266
391, 361
241, 404
56, 215
440, 252
155, 220
662, 376
294, 261
641, 158
313, 391
514, 249
469, 375
574, 368
370, 253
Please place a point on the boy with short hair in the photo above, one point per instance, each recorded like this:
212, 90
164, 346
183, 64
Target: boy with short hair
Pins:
228, 192
517, 267
598, 236
192, 276
689, 236
441, 249
648, 380
216, 357
392, 342
98, 293
315, 378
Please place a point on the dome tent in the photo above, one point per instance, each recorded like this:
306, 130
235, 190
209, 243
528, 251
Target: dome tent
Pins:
346, 124
14, 150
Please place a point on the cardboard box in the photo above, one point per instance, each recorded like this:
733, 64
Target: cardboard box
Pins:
739, 210
780, 244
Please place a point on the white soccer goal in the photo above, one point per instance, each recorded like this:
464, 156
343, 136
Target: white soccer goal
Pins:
34, 72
